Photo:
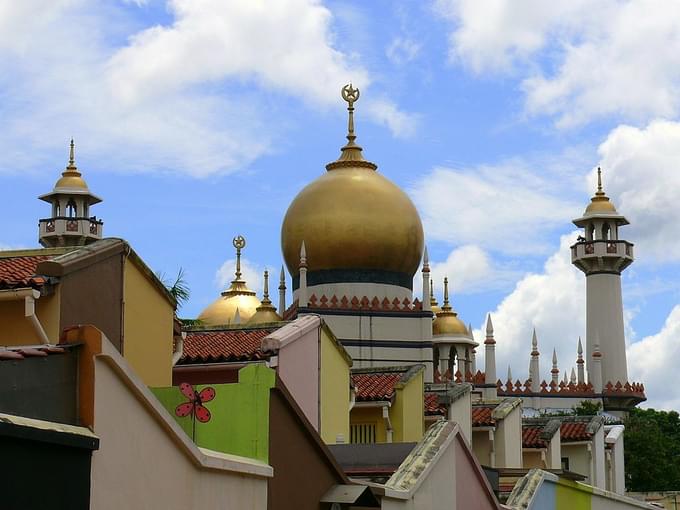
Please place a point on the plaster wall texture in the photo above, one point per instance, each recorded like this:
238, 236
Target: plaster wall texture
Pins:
472, 491
138, 458
555, 402
17, 329
508, 448
299, 370
554, 455
616, 475
481, 446
334, 395
148, 328
531, 458
370, 416
579, 459
604, 324
375, 327
460, 412
407, 411
598, 456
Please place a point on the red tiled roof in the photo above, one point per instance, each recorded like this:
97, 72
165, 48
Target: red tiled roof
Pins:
376, 385
224, 345
432, 406
20, 271
531, 438
481, 416
575, 431
29, 352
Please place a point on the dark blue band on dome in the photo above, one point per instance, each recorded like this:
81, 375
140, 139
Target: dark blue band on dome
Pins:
323, 276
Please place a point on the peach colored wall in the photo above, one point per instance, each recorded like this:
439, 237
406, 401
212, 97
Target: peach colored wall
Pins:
140, 465
471, 491
299, 371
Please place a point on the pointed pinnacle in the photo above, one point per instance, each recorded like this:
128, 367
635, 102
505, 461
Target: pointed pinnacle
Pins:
579, 349
554, 358
489, 326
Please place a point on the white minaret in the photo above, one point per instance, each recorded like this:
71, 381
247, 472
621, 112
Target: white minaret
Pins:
282, 292
427, 305
489, 353
70, 223
534, 369
555, 372
602, 256
579, 363
303, 298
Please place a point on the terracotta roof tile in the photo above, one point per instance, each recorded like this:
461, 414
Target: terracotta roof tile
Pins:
481, 416
432, 405
20, 271
531, 438
375, 386
214, 346
575, 431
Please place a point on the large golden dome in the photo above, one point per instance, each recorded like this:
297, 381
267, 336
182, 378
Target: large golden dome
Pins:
235, 305
357, 225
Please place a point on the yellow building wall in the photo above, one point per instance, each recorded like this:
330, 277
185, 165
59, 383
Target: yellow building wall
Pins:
16, 329
147, 328
334, 391
407, 413
532, 459
372, 416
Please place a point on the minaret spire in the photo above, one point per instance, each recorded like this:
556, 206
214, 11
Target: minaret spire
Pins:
302, 289
534, 372
555, 372
265, 292
427, 303
490, 359
282, 292
580, 368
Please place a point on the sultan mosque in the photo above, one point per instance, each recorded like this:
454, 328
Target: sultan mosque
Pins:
386, 361
353, 242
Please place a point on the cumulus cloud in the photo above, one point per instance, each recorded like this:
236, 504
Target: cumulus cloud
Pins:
512, 200
653, 361
553, 302
252, 273
577, 60
189, 96
640, 172
470, 269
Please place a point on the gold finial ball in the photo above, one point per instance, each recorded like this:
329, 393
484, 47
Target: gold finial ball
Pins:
239, 242
350, 94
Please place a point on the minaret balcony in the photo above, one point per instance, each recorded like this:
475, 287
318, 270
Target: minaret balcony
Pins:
602, 255
71, 226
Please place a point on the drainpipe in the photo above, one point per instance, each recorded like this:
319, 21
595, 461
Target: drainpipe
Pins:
388, 422
29, 296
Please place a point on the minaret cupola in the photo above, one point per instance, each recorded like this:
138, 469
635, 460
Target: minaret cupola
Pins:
70, 223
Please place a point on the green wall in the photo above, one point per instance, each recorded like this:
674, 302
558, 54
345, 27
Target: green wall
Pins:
239, 423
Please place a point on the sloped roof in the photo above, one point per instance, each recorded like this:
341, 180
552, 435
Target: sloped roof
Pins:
482, 416
373, 384
221, 345
575, 431
531, 438
432, 405
19, 271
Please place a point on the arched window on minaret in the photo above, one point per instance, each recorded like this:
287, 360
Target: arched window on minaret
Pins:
71, 209
605, 231
590, 232
57, 209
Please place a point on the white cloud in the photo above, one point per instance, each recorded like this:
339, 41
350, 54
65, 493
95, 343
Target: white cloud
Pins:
508, 208
554, 303
653, 361
252, 273
577, 60
187, 97
640, 173
402, 50
469, 269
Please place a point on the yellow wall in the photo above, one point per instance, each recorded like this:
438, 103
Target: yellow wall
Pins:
370, 415
148, 328
406, 412
532, 459
17, 329
334, 391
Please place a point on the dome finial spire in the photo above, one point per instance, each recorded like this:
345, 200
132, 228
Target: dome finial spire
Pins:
72, 155
239, 243
351, 95
599, 191
446, 294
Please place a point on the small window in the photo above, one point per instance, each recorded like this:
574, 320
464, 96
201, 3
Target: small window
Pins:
71, 209
565, 463
362, 433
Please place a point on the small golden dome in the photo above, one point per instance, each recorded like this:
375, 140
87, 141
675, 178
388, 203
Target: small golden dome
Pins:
600, 203
447, 321
237, 304
71, 177
352, 219
265, 312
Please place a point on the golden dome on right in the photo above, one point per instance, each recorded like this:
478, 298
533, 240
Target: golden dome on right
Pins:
356, 224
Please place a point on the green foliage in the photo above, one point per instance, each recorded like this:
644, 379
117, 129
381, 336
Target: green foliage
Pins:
178, 288
652, 450
587, 408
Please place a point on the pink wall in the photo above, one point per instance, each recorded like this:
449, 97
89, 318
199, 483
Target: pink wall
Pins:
472, 489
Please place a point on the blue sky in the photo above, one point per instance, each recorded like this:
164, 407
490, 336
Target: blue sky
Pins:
197, 121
